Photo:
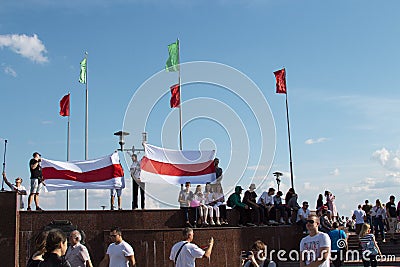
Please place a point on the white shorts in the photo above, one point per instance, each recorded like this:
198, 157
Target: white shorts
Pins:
35, 186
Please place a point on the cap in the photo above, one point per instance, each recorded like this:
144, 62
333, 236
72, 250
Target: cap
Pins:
36, 153
252, 186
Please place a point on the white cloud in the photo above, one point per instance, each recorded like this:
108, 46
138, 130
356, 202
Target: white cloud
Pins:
335, 172
388, 159
30, 47
315, 141
10, 71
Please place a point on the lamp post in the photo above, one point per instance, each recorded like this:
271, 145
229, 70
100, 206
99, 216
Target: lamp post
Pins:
278, 180
121, 142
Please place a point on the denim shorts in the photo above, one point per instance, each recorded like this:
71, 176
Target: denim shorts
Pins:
116, 191
35, 186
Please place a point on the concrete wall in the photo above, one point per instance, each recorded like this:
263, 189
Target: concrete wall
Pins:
9, 229
151, 232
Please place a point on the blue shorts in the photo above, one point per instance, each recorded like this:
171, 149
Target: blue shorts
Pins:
115, 191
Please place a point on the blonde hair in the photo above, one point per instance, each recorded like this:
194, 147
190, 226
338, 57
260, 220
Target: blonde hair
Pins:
364, 230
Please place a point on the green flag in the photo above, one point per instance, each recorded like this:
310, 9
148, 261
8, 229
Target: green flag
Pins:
82, 77
172, 63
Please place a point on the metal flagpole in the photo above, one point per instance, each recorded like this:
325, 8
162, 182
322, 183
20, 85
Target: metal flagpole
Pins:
86, 125
180, 97
68, 138
290, 146
4, 163
180, 106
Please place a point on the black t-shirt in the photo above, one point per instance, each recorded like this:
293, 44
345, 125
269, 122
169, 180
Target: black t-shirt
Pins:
249, 196
218, 172
37, 172
53, 260
391, 207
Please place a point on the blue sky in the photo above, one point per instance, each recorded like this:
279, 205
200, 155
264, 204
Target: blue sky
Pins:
342, 65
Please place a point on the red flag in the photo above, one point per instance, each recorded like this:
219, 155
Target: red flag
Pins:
280, 76
64, 106
175, 96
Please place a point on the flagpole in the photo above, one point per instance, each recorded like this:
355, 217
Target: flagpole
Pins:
290, 146
180, 102
68, 138
86, 126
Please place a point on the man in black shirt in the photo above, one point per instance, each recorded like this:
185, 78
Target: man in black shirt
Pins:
249, 199
391, 215
36, 180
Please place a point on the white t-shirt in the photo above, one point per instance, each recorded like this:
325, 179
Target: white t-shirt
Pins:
267, 199
302, 213
21, 197
311, 245
188, 254
359, 216
117, 254
77, 255
135, 169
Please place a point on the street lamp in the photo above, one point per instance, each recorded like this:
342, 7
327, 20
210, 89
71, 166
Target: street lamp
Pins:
278, 180
121, 142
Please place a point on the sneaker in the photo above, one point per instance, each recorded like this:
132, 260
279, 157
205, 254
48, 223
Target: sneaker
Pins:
119, 208
272, 221
205, 224
290, 221
218, 222
38, 209
240, 225
250, 224
384, 241
28, 209
188, 224
112, 208
212, 222
282, 221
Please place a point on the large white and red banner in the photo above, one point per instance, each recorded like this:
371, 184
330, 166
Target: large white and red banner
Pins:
160, 165
101, 173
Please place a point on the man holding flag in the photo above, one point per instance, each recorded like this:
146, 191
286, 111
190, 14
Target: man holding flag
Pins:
36, 180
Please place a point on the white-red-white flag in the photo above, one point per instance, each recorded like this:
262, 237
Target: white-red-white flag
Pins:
160, 165
101, 173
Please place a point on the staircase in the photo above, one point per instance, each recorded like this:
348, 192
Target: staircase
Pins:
390, 251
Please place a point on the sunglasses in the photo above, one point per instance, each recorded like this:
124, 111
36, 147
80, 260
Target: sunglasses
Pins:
310, 221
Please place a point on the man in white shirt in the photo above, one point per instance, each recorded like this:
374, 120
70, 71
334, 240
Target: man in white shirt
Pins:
137, 183
185, 253
266, 201
359, 215
119, 253
17, 187
302, 215
77, 254
315, 248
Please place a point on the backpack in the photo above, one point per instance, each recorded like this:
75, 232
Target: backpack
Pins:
229, 202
